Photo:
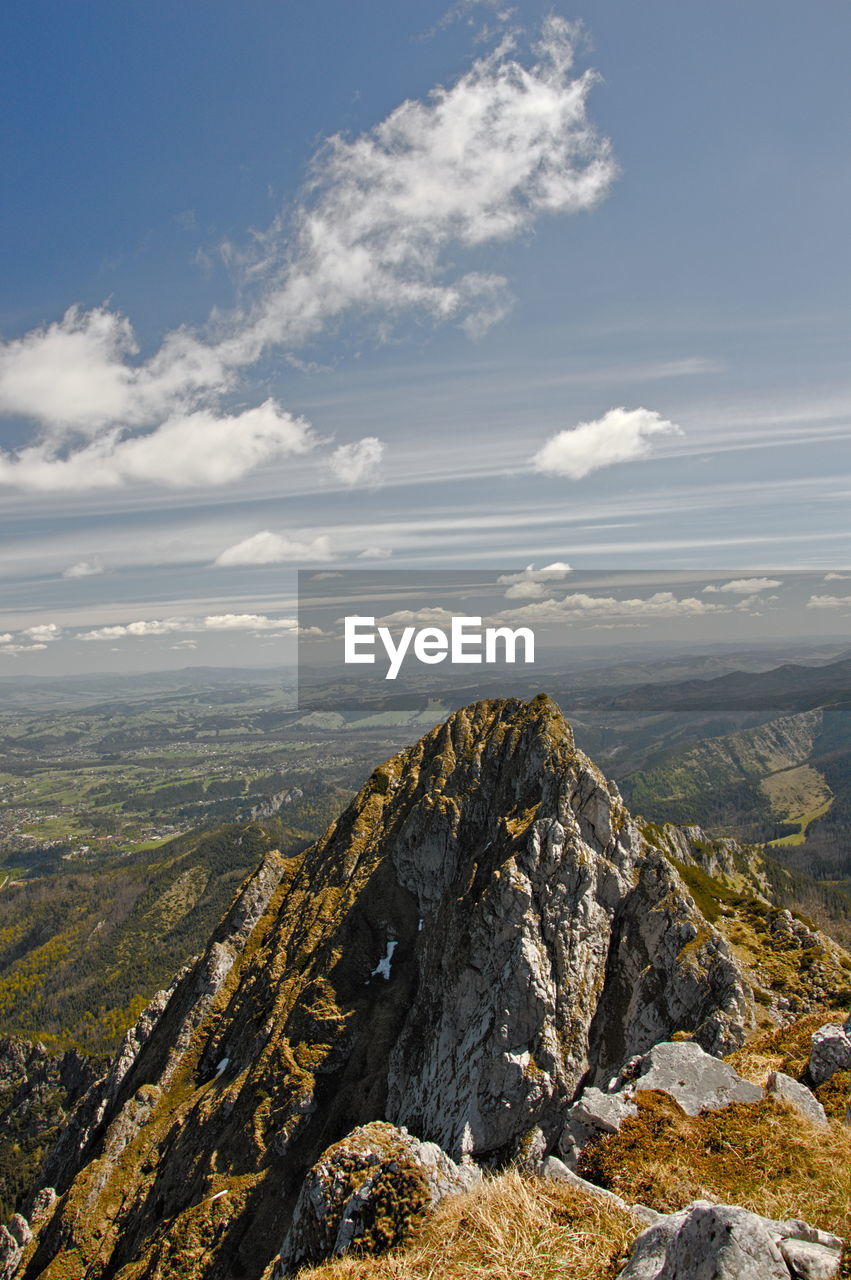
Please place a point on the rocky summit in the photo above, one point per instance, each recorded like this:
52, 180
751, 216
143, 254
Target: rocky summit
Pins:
484, 934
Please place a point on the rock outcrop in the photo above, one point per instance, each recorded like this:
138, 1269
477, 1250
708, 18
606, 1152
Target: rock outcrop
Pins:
368, 1191
693, 1078
481, 933
723, 1242
38, 1090
831, 1051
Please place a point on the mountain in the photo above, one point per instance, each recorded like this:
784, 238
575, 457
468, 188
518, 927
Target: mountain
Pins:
82, 951
787, 781
482, 934
790, 687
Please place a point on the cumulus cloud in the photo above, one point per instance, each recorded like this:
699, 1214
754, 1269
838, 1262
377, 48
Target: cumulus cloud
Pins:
375, 553
200, 448
429, 616
84, 568
836, 577
357, 463
745, 586
532, 583
254, 622
275, 548
380, 228
30, 640
621, 435
829, 602
578, 606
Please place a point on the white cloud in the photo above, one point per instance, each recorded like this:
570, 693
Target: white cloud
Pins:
621, 435
836, 577
829, 602
745, 586
275, 548
357, 463
578, 606
253, 622
532, 583
426, 617
377, 229
200, 448
84, 568
375, 553
44, 633
30, 640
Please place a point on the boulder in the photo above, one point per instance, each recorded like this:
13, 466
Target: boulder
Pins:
830, 1051
368, 1189
724, 1242
693, 1078
798, 1095
604, 1112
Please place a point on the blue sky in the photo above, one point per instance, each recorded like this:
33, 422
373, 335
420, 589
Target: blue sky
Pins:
590, 311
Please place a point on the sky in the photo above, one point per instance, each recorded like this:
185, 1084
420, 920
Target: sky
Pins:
298, 285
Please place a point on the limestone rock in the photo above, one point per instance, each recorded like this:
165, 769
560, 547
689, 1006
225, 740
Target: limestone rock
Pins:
14, 1238
830, 1052
724, 1242
557, 1171
604, 1112
696, 1080
800, 1097
368, 1190
533, 937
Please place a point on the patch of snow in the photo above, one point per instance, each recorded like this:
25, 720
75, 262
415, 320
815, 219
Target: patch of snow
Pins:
420, 924
383, 966
223, 1066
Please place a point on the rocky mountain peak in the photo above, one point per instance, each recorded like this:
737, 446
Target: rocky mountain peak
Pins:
483, 932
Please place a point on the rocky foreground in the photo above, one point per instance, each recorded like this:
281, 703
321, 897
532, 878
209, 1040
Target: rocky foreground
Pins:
481, 957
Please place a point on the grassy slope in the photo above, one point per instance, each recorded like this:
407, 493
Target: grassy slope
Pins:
81, 954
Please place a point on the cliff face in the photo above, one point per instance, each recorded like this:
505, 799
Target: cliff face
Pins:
484, 929
37, 1091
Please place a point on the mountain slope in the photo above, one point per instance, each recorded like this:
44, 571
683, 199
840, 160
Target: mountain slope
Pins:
483, 930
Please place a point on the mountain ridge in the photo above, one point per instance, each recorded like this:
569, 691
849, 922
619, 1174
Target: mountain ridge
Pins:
483, 931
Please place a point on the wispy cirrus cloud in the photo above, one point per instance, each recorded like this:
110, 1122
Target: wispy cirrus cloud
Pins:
621, 435
379, 229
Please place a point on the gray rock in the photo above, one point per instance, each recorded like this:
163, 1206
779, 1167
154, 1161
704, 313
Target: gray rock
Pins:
573, 1138
696, 1080
808, 1261
725, 1242
604, 1112
377, 1173
830, 1052
556, 1170
800, 1097
14, 1238
42, 1204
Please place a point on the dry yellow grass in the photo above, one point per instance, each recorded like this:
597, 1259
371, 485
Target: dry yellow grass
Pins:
763, 1156
509, 1227
782, 1048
